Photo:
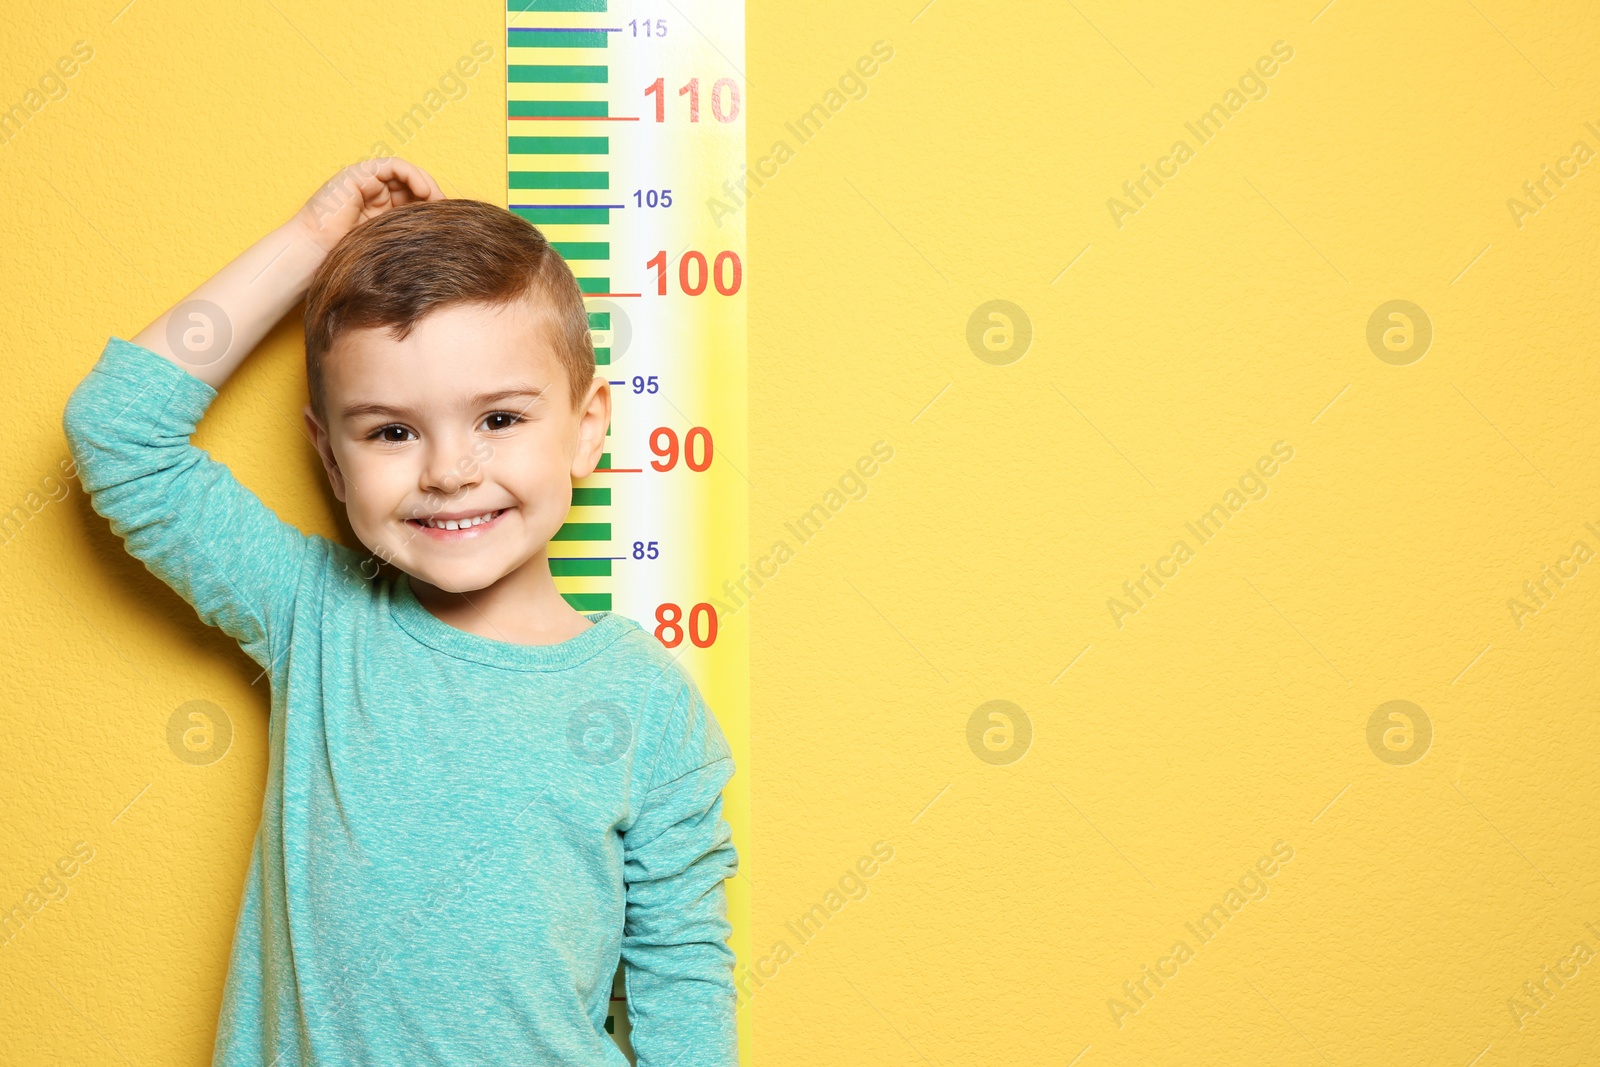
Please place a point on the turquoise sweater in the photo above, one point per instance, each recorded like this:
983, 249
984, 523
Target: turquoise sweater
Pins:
459, 836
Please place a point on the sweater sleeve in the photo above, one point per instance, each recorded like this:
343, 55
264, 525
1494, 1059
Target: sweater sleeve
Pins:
179, 511
676, 854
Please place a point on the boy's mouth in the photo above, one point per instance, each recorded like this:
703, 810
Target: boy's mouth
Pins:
457, 526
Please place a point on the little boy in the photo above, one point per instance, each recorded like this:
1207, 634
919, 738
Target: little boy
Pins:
478, 798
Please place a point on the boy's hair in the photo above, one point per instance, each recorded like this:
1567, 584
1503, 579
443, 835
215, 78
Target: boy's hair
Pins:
396, 268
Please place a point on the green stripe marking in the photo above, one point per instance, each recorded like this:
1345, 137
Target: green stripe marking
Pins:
583, 531
563, 73
543, 109
582, 250
560, 179
520, 38
559, 146
580, 568
555, 5
591, 496
575, 216
588, 601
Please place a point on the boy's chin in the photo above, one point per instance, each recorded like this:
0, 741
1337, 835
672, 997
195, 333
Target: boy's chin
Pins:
457, 579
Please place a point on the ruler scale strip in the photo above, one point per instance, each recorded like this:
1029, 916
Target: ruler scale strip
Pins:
624, 129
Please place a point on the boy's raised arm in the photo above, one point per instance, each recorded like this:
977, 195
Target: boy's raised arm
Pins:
211, 331
128, 422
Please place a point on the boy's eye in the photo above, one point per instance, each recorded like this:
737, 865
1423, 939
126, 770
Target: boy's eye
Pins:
395, 434
501, 420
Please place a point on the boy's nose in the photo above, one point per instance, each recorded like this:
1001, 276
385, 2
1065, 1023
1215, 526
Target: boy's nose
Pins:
449, 469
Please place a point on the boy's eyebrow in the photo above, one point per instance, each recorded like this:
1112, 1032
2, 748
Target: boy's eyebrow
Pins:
355, 411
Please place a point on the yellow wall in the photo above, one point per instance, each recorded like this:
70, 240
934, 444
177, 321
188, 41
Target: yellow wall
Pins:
1168, 754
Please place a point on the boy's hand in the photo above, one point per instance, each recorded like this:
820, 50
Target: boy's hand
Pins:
214, 328
362, 191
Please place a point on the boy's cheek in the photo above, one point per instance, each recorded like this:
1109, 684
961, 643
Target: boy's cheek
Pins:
375, 496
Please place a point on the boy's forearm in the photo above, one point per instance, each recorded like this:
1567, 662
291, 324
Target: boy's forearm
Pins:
211, 331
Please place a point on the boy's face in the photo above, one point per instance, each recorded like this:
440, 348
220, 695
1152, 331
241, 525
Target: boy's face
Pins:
469, 417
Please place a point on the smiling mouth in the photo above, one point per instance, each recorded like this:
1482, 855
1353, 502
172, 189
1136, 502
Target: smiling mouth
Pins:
465, 526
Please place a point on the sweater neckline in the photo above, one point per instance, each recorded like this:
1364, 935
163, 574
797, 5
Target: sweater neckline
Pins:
426, 627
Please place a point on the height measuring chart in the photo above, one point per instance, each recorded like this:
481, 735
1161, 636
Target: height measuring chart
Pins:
624, 124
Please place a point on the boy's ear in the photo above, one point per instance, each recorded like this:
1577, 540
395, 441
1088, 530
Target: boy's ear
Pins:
594, 417
319, 438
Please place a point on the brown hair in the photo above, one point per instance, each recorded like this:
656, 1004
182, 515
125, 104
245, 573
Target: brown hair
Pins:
396, 268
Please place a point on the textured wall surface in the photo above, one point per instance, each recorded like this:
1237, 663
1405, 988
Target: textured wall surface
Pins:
1199, 830
1227, 312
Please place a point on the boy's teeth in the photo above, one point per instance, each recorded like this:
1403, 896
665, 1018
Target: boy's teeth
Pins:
458, 524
